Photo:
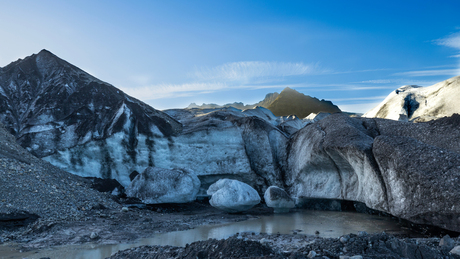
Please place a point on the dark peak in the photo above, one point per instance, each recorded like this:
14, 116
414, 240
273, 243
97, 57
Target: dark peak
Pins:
290, 91
44, 52
46, 55
287, 89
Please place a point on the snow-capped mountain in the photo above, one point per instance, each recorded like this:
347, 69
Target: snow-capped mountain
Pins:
416, 103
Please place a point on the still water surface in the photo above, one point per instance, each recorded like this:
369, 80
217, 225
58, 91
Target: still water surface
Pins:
328, 223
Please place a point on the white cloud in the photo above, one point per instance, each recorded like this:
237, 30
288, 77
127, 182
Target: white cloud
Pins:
236, 75
180, 90
399, 81
452, 41
248, 71
172, 90
378, 81
440, 72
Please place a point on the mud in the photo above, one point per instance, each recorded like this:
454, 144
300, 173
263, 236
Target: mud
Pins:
102, 226
108, 226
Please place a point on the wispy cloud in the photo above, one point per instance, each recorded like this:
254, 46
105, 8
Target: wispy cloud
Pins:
181, 90
346, 87
357, 71
452, 41
172, 90
235, 75
248, 71
399, 81
436, 72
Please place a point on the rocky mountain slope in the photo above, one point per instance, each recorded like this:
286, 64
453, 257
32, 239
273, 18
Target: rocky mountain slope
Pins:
416, 103
291, 102
288, 102
50, 105
32, 188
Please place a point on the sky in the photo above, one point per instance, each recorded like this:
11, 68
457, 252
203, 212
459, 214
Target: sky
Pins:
172, 53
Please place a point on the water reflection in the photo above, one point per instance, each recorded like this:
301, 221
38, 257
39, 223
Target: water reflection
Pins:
328, 223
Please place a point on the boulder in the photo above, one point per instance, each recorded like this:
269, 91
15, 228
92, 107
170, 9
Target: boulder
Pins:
291, 124
278, 199
409, 170
421, 181
455, 251
446, 243
332, 159
158, 185
232, 195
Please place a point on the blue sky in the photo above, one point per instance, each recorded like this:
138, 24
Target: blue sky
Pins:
172, 53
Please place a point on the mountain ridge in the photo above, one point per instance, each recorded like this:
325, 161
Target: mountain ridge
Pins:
288, 102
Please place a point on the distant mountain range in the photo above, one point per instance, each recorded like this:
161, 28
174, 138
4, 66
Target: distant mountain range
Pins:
288, 102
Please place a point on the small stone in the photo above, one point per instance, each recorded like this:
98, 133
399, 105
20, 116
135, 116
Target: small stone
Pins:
344, 257
125, 209
316, 232
455, 250
311, 254
446, 243
278, 199
93, 235
356, 257
362, 233
343, 239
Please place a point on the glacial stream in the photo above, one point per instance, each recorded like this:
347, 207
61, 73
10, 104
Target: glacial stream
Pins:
328, 223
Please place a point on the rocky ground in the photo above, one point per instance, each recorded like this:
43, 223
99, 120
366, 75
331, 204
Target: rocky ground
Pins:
113, 226
250, 245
